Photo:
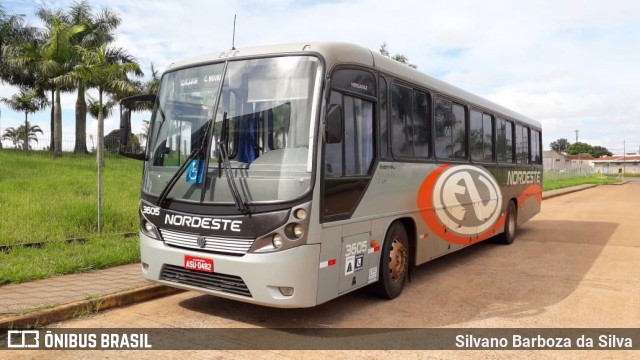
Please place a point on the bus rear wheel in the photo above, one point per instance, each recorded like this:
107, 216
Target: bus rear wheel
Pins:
510, 223
394, 262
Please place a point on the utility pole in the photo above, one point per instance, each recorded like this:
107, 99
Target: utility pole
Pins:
624, 159
579, 160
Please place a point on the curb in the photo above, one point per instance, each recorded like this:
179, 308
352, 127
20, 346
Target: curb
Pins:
86, 307
554, 193
619, 183
558, 192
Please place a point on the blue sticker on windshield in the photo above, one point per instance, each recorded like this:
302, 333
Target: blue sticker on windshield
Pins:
195, 171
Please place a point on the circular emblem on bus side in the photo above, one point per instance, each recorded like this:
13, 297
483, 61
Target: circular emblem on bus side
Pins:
202, 241
461, 204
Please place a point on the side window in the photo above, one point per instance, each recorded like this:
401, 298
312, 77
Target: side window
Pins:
333, 152
535, 147
421, 131
358, 136
487, 128
450, 129
504, 139
354, 155
401, 121
476, 135
481, 136
384, 132
522, 144
410, 122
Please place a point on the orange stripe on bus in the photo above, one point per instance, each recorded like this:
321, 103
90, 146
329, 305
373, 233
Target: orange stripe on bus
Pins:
425, 205
532, 191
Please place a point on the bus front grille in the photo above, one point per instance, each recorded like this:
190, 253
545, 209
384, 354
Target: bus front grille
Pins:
218, 245
213, 281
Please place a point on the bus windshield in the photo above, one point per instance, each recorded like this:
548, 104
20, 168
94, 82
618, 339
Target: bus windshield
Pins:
253, 118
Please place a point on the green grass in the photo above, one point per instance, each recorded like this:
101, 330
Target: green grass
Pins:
553, 183
46, 199
22, 264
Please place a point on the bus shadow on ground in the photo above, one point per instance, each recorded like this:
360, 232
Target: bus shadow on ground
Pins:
546, 263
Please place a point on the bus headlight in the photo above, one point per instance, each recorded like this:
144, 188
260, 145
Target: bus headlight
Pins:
298, 230
148, 228
301, 214
277, 241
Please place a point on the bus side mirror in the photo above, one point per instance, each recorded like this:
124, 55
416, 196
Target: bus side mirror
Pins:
130, 144
334, 125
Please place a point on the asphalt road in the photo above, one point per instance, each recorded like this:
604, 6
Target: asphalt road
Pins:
576, 264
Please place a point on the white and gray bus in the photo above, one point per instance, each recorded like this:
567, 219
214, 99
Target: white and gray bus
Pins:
289, 175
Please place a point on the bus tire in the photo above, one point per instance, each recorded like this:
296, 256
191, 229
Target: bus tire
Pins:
510, 224
394, 262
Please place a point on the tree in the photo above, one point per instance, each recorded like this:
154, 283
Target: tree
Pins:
559, 145
579, 148
112, 142
29, 102
93, 107
50, 58
28, 132
14, 135
397, 57
598, 151
14, 31
153, 85
107, 70
98, 30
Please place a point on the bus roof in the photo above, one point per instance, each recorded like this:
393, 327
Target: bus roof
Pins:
338, 53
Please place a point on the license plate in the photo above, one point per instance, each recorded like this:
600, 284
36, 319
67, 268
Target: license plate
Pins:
198, 264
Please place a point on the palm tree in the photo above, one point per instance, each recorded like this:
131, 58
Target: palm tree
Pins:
98, 31
14, 31
28, 132
29, 102
397, 57
51, 59
105, 69
14, 135
93, 106
153, 85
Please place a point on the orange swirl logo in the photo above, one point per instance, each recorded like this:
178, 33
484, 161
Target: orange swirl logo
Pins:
461, 204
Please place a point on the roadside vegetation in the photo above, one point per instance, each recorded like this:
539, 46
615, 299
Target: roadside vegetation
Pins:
46, 202
558, 181
21, 264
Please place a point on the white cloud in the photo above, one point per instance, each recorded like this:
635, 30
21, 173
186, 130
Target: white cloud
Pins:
572, 64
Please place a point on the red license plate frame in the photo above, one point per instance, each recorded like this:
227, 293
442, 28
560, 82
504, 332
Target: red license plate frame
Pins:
196, 263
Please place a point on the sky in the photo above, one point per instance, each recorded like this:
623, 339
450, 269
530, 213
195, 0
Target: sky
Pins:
571, 64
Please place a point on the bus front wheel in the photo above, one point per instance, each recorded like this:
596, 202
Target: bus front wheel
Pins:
394, 262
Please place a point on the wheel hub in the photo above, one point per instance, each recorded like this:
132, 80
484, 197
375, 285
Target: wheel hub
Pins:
397, 260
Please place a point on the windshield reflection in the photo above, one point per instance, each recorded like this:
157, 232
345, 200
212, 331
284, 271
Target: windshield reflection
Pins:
268, 103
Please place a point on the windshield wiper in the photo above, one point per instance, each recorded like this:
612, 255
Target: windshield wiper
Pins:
195, 153
224, 163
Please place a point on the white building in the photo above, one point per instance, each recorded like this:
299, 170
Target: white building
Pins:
617, 164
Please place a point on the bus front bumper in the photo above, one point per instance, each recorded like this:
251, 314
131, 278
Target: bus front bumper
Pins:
252, 278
